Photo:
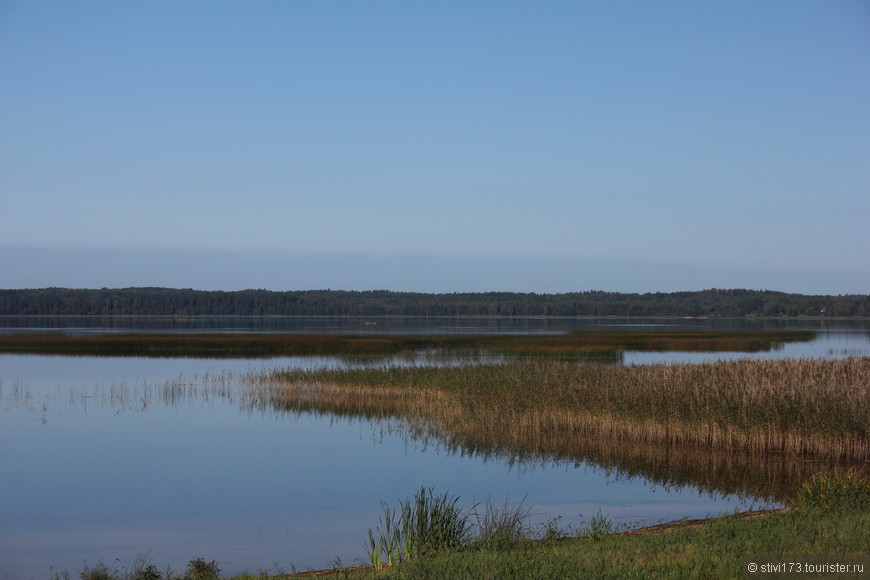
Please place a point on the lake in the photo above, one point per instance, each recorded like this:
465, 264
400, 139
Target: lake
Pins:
105, 458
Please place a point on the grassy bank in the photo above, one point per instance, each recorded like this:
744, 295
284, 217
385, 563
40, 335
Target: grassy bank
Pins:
431, 536
807, 408
713, 549
590, 344
830, 516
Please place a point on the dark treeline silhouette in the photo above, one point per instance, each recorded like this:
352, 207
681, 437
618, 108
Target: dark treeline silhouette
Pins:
186, 302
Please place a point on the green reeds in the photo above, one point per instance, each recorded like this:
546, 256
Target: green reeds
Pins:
431, 523
499, 526
426, 524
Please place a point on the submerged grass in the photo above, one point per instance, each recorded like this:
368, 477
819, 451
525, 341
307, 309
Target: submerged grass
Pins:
807, 408
605, 345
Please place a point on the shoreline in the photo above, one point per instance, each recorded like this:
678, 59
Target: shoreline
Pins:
663, 528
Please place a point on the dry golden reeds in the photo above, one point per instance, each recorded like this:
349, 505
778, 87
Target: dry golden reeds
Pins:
806, 407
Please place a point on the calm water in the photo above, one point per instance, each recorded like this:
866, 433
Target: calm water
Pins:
98, 464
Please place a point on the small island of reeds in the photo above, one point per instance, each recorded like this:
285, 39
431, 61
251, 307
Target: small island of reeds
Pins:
604, 345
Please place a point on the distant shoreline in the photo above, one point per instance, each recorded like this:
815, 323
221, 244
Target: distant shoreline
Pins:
385, 304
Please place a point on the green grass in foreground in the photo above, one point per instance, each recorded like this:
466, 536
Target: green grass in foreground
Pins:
712, 550
830, 516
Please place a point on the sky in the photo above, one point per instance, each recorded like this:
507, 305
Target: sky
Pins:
445, 146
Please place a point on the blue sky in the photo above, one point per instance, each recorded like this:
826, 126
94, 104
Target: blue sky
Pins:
436, 146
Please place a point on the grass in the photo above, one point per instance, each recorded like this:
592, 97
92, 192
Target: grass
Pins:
603, 345
427, 524
840, 492
715, 548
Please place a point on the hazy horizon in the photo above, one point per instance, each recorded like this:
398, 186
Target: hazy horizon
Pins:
203, 270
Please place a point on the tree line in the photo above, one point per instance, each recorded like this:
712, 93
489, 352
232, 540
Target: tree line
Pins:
188, 302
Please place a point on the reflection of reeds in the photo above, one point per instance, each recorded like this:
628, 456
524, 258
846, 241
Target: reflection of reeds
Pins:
806, 408
603, 345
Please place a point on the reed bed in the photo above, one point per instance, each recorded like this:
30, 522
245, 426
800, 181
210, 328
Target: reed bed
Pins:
807, 408
589, 344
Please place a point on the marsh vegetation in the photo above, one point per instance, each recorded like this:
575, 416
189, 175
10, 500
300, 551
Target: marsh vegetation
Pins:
817, 409
602, 345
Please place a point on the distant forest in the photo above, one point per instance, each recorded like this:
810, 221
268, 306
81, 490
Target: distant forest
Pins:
181, 302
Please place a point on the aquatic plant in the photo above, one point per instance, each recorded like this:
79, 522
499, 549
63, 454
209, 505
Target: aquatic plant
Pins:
591, 345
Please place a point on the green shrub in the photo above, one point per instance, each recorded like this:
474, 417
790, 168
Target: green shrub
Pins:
199, 569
